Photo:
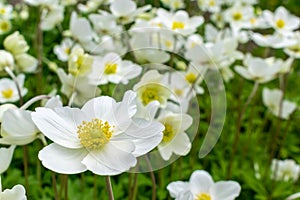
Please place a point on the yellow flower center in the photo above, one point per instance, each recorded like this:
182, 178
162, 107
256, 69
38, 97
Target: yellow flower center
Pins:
177, 25
280, 23
110, 68
203, 196
67, 50
178, 92
252, 21
94, 134
168, 43
191, 78
149, 94
5, 26
237, 16
2, 11
8, 93
212, 3
168, 133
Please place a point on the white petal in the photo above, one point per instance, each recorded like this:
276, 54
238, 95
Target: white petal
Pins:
144, 129
182, 144
56, 128
243, 72
16, 193
145, 145
122, 7
225, 190
63, 160
200, 181
175, 188
6, 155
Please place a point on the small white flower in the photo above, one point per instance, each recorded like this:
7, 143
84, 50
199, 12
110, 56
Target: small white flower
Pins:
202, 187
111, 68
277, 40
97, 137
15, 43
238, 15
79, 85
51, 16
8, 89
150, 88
6, 11
174, 4
5, 26
6, 155
6, 60
16, 193
213, 6
281, 20
272, 99
294, 49
258, 69
180, 22
63, 50
79, 62
285, 170
175, 140
105, 24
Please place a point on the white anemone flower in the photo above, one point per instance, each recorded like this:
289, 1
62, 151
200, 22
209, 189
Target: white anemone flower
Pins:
258, 69
180, 22
285, 170
281, 20
105, 24
111, 68
175, 140
6, 155
272, 99
239, 15
294, 49
16, 193
17, 128
202, 187
212, 6
277, 40
63, 50
78, 87
97, 137
174, 4
9, 91
151, 88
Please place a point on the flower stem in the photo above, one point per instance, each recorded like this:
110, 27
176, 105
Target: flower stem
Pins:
25, 161
238, 129
33, 100
109, 188
54, 186
152, 177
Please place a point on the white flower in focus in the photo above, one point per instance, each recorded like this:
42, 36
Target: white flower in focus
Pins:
17, 128
8, 89
285, 170
202, 187
258, 69
272, 99
150, 88
78, 86
175, 140
63, 50
180, 22
97, 137
281, 20
111, 68
16, 193
6, 155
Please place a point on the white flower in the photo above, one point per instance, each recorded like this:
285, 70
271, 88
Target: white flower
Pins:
173, 4
51, 16
282, 20
285, 170
180, 21
193, 40
238, 15
5, 26
6, 155
293, 196
63, 50
150, 88
202, 187
8, 89
105, 24
111, 68
17, 128
26, 63
6, 60
277, 40
79, 63
272, 99
294, 49
258, 69
6, 11
5, 107
210, 5
175, 140
79, 85
16, 193
97, 137
126, 10
16, 44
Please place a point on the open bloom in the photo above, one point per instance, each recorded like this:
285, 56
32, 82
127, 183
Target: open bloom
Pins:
175, 140
16, 193
9, 91
97, 137
202, 187
111, 68
6, 155
285, 170
272, 99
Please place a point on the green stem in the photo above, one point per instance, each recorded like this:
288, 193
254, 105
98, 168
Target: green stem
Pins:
25, 160
54, 186
152, 177
109, 188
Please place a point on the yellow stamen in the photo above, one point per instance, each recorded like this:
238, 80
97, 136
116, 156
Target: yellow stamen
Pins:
237, 16
203, 196
168, 133
191, 78
94, 134
150, 94
8, 93
110, 68
177, 25
280, 23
